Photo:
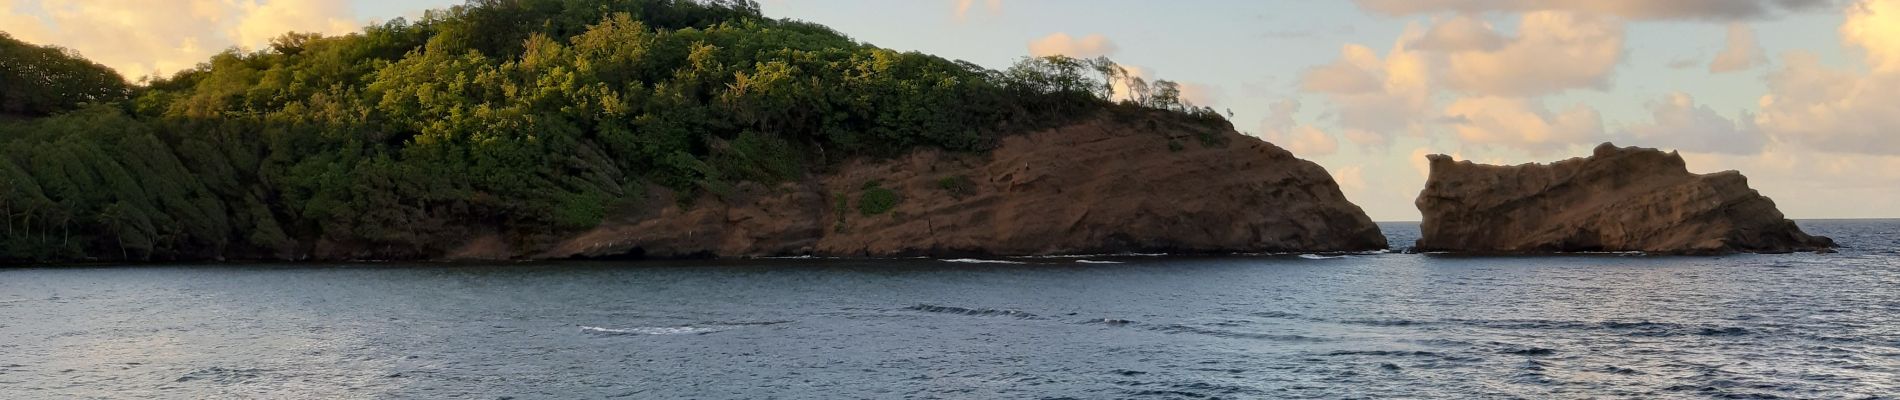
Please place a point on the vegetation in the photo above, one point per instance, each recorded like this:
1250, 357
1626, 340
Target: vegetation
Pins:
957, 185
530, 117
876, 200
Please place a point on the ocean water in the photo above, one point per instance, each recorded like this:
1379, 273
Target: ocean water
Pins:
1276, 326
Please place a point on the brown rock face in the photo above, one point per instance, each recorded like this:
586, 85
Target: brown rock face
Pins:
1619, 199
1106, 185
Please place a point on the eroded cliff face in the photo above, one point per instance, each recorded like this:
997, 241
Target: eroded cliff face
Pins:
1618, 199
1106, 185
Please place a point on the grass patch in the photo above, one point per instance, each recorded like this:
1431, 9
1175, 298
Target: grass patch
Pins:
957, 185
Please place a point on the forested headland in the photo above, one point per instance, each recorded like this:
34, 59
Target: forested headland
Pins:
529, 117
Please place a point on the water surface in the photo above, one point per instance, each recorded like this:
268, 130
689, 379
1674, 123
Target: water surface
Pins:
1286, 326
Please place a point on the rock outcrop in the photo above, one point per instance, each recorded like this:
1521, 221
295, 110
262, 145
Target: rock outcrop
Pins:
1619, 199
1149, 183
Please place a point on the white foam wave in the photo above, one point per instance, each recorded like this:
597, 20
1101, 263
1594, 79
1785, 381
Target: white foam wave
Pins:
981, 261
1099, 255
650, 330
1097, 262
1320, 257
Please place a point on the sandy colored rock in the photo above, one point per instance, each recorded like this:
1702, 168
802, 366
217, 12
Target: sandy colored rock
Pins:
1618, 199
1106, 185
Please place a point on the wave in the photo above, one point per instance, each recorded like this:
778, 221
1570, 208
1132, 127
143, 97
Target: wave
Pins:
222, 375
1320, 257
1096, 262
1100, 255
980, 312
651, 330
1220, 333
981, 261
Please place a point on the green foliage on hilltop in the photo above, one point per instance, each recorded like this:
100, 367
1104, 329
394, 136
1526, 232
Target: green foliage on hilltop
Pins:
531, 117
43, 80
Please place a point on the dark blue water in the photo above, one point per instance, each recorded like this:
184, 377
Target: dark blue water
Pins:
1364, 326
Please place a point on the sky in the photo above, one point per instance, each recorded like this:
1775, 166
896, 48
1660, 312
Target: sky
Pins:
1802, 96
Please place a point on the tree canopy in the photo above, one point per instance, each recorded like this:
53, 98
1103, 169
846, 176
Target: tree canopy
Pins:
528, 117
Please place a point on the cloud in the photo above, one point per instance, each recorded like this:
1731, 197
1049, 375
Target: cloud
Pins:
1874, 27
1634, 9
1846, 110
1553, 52
1351, 179
1200, 95
262, 22
1463, 32
1808, 184
1523, 124
1356, 72
1742, 52
1678, 123
1280, 128
1306, 141
147, 37
963, 7
1420, 163
1060, 43
1376, 97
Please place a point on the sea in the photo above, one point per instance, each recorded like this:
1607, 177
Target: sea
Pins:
1269, 326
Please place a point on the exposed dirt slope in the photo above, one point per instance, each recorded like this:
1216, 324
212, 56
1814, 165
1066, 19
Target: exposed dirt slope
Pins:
1106, 185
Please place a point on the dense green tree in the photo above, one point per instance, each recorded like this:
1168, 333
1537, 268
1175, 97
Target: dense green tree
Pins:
529, 117
43, 80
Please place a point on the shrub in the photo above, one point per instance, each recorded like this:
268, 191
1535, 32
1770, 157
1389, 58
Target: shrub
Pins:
957, 185
876, 200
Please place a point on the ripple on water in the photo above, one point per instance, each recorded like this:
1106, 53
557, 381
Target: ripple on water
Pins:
222, 375
1375, 326
979, 312
690, 329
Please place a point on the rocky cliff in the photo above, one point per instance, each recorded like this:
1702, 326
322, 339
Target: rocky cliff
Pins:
1618, 199
1109, 184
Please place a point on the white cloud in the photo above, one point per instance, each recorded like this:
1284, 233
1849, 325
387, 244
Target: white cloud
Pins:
1281, 129
1060, 43
1420, 163
1305, 141
260, 22
1522, 124
1553, 52
1637, 9
1462, 32
963, 7
1200, 95
1845, 110
1742, 51
1873, 26
1678, 123
144, 37
1351, 179
1376, 98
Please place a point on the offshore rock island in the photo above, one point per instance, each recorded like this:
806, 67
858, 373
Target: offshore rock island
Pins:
1616, 200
